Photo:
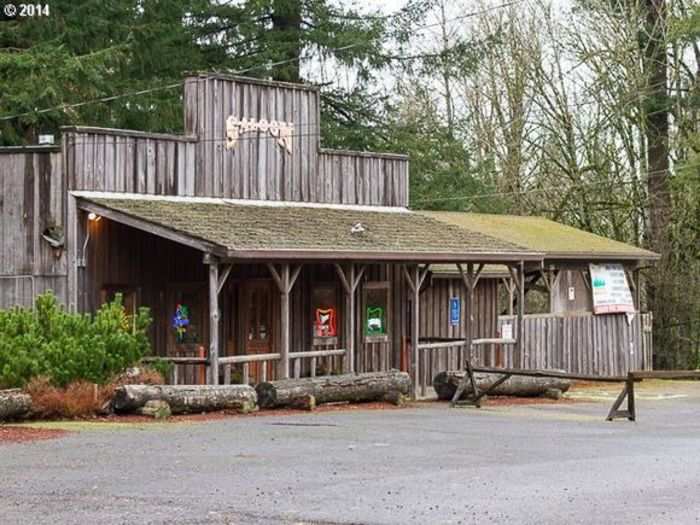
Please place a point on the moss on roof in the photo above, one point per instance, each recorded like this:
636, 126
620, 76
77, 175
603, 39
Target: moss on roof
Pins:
253, 228
541, 235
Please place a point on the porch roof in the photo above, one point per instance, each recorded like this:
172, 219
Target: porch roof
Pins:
555, 240
239, 229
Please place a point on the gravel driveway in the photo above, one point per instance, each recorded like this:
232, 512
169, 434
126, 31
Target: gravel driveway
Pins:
430, 464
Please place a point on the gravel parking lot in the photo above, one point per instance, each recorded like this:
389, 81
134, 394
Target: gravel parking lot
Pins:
427, 464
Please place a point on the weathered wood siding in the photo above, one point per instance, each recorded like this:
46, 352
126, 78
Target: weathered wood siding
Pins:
100, 159
435, 321
354, 178
259, 168
435, 309
586, 344
582, 299
32, 199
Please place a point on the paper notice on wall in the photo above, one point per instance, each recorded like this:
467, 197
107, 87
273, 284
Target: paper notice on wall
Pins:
507, 331
611, 291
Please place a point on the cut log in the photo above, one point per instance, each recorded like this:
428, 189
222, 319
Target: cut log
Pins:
375, 386
14, 404
445, 384
186, 398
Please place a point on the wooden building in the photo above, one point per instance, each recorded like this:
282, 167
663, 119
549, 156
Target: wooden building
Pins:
259, 253
564, 333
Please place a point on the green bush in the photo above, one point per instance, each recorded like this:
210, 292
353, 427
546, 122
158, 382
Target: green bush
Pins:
65, 347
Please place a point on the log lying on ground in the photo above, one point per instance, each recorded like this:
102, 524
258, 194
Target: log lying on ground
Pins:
445, 384
375, 386
186, 398
14, 404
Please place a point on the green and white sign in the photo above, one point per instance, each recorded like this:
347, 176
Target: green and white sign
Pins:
611, 291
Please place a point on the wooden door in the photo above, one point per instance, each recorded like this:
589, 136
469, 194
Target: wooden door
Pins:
258, 325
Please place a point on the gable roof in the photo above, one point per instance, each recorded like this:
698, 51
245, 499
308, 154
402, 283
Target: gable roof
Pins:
258, 229
555, 240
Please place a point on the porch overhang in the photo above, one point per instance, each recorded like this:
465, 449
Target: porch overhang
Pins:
283, 231
562, 245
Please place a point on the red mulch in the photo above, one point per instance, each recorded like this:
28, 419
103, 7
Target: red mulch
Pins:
13, 434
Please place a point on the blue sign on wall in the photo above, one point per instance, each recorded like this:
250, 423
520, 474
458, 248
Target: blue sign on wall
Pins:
455, 311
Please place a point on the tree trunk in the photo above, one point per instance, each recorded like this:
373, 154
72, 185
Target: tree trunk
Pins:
375, 386
445, 384
656, 129
14, 404
186, 398
286, 28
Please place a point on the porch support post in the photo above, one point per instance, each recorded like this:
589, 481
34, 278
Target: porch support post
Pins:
550, 278
285, 278
470, 278
415, 279
350, 279
213, 320
520, 346
509, 284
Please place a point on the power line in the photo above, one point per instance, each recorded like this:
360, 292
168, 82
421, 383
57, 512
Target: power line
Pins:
63, 107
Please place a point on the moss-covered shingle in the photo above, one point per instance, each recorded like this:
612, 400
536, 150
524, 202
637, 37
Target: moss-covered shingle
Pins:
542, 235
246, 227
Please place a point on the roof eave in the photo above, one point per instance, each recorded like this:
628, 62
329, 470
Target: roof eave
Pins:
601, 257
387, 256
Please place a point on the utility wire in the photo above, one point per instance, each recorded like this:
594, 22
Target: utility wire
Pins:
63, 107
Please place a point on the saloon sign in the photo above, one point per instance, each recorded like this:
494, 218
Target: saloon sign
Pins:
235, 127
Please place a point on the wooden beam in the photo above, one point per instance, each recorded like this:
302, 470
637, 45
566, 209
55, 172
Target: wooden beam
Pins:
293, 278
409, 278
343, 280
284, 321
549, 373
224, 277
214, 323
350, 278
73, 247
415, 330
276, 276
520, 344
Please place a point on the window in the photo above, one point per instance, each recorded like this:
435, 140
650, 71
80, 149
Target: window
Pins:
376, 306
324, 304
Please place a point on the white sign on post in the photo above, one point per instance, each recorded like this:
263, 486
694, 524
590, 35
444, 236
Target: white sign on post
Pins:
611, 291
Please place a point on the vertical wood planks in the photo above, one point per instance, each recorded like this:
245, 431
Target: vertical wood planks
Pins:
584, 343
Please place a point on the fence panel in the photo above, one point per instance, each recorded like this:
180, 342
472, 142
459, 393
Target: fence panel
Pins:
606, 345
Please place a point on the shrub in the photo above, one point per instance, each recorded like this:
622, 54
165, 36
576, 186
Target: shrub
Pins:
78, 399
64, 347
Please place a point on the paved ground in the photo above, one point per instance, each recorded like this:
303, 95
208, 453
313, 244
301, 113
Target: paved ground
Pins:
525, 464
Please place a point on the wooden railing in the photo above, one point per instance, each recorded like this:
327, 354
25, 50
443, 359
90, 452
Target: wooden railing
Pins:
314, 356
296, 358
436, 356
490, 351
244, 360
188, 370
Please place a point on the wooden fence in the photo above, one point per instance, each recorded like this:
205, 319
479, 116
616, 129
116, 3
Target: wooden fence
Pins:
603, 345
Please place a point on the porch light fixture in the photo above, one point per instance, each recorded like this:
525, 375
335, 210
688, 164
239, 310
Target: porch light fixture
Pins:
92, 216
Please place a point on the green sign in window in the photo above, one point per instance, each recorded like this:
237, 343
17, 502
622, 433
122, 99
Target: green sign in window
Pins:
376, 321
